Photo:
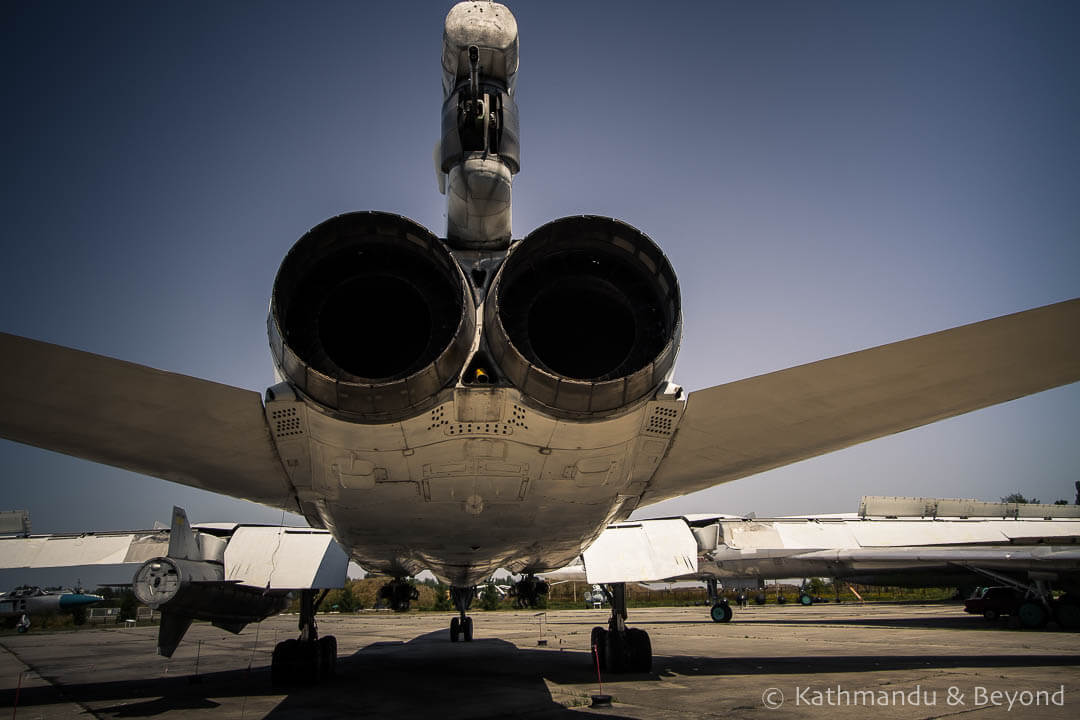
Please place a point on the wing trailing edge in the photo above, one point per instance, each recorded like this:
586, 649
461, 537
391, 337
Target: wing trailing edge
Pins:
745, 427
179, 428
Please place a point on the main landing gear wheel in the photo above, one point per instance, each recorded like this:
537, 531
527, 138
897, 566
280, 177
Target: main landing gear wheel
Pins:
462, 626
1067, 613
308, 659
327, 656
461, 629
1032, 614
620, 649
466, 629
599, 646
721, 612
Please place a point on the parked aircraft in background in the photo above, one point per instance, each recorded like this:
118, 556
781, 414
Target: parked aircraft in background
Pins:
227, 573
17, 606
917, 542
473, 402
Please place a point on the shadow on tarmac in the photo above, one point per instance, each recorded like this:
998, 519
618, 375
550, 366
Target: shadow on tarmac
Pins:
485, 678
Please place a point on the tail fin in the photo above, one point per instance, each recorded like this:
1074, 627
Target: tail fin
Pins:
182, 542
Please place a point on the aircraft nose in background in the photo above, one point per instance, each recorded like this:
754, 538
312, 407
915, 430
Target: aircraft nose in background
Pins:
74, 600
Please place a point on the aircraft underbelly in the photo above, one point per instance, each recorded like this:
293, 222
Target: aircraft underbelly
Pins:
478, 482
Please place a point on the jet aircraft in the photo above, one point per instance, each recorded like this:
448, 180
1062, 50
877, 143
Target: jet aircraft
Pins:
917, 542
18, 605
476, 401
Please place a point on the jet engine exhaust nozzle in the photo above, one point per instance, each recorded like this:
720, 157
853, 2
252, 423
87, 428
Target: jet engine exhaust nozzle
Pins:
584, 315
368, 316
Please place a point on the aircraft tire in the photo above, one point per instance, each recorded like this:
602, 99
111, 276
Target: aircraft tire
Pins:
328, 652
1032, 615
617, 653
721, 613
991, 614
466, 629
309, 662
1067, 614
283, 663
455, 629
598, 646
640, 650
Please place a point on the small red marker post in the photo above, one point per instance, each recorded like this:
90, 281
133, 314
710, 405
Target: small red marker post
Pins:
601, 700
18, 689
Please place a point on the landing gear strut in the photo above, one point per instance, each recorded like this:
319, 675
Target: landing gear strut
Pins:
308, 659
529, 590
619, 648
461, 627
721, 611
398, 594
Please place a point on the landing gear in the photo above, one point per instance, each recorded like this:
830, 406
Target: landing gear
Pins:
308, 659
462, 627
529, 590
619, 648
398, 594
721, 611
1067, 612
1038, 606
1033, 614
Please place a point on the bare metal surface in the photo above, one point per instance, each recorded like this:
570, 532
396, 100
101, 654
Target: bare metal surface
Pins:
191, 431
404, 666
881, 506
749, 426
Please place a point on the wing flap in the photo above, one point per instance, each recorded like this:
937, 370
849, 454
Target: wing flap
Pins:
640, 552
749, 426
170, 426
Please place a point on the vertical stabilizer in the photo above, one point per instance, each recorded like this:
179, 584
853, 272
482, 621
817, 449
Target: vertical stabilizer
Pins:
182, 542
172, 629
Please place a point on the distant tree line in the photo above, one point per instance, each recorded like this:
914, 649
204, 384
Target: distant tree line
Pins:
1019, 498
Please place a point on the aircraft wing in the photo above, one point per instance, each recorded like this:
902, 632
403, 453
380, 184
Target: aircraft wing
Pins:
171, 426
1045, 557
638, 552
749, 426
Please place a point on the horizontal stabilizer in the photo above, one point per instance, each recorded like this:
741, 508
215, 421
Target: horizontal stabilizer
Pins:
749, 426
179, 428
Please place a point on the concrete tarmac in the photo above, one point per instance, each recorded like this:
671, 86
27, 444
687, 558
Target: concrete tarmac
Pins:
839, 661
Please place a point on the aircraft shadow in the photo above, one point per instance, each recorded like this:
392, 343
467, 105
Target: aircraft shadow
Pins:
484, 678
809, 665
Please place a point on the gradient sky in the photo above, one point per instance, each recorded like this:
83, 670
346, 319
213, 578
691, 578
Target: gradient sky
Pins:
824, 176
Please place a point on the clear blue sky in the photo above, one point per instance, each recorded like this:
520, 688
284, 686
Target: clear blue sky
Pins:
824, 176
